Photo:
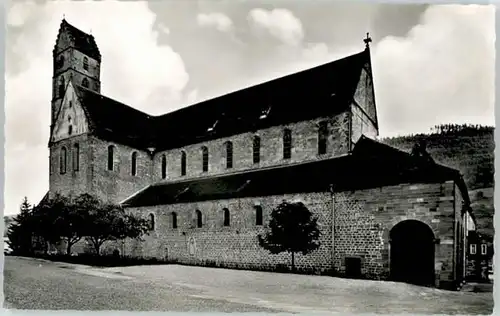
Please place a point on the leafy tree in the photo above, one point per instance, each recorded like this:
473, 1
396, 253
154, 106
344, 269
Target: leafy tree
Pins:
108, 222
292, 229
20, 232
60, 219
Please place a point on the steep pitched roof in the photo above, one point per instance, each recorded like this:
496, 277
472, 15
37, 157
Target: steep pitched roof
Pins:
324, 90
370, 165
81, 41
112, 120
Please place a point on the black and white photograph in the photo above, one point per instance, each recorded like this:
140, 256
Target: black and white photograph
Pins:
312, 157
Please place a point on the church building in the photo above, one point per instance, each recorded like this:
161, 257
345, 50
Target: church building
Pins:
207, 176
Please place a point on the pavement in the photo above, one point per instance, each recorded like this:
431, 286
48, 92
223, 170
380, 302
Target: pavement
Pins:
39, 284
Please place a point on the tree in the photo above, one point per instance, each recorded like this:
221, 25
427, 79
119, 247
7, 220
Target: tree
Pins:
107, 222
60, 218
292, 229
20, 231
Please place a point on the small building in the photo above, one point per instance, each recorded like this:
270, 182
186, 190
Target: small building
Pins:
479, 256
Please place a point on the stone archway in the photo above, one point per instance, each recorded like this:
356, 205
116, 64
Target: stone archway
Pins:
412, 253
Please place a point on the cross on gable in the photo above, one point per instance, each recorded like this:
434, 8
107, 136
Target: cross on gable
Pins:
367, 40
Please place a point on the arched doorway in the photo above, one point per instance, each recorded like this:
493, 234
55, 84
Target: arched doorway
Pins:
412, 253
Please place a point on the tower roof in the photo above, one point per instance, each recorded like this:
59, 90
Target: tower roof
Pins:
80, 40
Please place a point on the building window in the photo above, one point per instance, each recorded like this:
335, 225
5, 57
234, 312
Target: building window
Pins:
70, 130
61, 87
111, 154
322, 137
199, 219
473, 249
204, 152
174, 220
60, 62
151, 221
70, 104
183, 163
229, 155
163, 166
256, 149
287, 144
76, 157
226, 217
484, 249
85, 63
258, 215
62, 160
133, 167
85, 82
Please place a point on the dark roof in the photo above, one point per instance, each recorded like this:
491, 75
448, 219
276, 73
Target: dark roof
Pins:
323, 90
81, 41
370, 165
110, 118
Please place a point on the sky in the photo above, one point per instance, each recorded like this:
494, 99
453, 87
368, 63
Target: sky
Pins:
431, 64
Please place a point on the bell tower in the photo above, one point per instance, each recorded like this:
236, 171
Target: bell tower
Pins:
76, 58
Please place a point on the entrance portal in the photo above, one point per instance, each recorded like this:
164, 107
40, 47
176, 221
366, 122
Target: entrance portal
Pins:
412, 253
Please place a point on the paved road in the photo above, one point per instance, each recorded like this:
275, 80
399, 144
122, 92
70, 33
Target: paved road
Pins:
35, 284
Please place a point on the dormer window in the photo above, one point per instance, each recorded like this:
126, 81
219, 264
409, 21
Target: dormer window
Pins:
210, 129
85, 63
265, 113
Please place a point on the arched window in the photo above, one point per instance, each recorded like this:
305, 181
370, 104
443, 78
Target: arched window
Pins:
258, 215
199, 219
229, 154
174, 220
183, 163
287, 144
85, 82
163, 166
151, 221
76, 157
226, 217
85, 63
70, 130
60, 61
133, 167
61, 86
204, 152
111, 158
256, 149
322, 137
62, 160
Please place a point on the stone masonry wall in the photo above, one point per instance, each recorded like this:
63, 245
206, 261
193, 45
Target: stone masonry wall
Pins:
234, 245
117, 184
72, 182
363, 220
304, 148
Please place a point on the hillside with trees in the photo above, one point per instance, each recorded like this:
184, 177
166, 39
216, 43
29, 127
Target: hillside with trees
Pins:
468, 148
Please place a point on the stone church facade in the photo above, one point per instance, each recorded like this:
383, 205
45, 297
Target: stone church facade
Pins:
208, 176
